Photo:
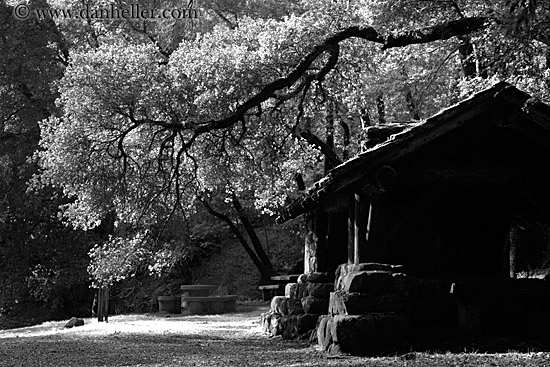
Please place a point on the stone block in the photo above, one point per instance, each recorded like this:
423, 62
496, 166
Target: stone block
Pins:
279, 305
275, 327
287, 327
391, 329
286, 306
302, 278
270, 323
341, 272
338, 271
338, 283
312, 339
324, 336
294, 307
319, 278
298, 290
373, 267
319, 290
368, 334
293, 326
390, 302
306, 322
351, 330
334, 350
367, 282
264, 321
289, 289
73, 322
344, 269
314, 305
345, 303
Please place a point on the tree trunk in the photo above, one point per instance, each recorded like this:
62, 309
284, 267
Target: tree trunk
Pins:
381, 108
331, 158
365, 118
411, 103
347, 139
300, 181
264, 259
329, 164
266, 269
103, 304
467, 58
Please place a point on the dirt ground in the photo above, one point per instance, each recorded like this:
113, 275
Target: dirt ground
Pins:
214, 340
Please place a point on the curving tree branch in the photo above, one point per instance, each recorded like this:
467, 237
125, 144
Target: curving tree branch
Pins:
301, 77
442, 31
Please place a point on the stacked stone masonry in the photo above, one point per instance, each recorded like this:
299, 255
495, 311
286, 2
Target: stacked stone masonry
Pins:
368, 311
295, 315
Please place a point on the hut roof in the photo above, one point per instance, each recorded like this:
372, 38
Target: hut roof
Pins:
530, 117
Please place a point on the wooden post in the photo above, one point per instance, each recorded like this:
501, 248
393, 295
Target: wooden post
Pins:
359, 230
369, 229
513, 238
351, 229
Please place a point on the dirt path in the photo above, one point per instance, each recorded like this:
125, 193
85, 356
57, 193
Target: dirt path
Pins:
155, 340
226, 340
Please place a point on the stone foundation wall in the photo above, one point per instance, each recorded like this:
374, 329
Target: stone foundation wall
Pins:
295, 315
368, 310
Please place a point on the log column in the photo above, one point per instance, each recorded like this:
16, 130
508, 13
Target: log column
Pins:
351, 229
359, 228
514, 239
315, 251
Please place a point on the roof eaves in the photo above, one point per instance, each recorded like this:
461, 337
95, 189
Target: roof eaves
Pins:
323, 187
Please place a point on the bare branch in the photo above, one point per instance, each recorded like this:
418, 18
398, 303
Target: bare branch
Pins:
327, 151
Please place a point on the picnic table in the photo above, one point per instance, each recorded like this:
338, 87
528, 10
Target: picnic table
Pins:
198, 290
287, 278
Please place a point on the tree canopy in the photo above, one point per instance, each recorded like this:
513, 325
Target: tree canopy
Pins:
226, 110
156, 120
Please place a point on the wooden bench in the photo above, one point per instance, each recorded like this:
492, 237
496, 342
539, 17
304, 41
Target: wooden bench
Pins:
285, 278
210, 304
271, 290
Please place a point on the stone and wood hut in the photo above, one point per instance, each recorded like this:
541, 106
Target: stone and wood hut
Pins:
461, 200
